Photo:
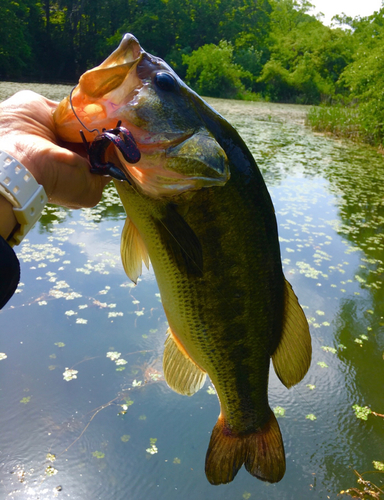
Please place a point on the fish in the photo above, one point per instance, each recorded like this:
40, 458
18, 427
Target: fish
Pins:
198, 209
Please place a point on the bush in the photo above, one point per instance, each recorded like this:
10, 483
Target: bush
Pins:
212, 72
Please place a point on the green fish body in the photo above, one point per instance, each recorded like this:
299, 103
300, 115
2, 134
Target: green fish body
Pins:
198, 209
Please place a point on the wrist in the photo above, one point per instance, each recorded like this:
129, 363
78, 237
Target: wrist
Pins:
24, 195
8, 221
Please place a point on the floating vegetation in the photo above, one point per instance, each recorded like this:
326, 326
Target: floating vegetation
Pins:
115, 314
211, 390
136, 383
25, 400
50, 457
60, 344
322, 364
121, 361
70, 374
378, 465
246, 495
279, 411
81, 321
50, 471
176, 460
98, 454
125, 438
311, 387
70, 313
311, 416
124, 407
362, 412
113, 355
3, 356
152, 450
329, 349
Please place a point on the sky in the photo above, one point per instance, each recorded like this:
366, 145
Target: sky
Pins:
352, 8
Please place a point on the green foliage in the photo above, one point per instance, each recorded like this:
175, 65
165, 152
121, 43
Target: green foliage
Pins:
337, 120
248, 49
378, 465
311, 416
15, 49
212, 72
279, 411
362, 84
306, 56
362, 412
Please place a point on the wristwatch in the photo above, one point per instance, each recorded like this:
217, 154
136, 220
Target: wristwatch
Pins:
20, 188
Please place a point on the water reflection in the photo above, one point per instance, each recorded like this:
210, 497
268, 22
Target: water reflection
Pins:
76, 305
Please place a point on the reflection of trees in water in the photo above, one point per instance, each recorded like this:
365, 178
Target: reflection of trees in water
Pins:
357, 179
109, 208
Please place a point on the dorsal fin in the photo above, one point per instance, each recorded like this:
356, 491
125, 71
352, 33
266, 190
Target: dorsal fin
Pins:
180, 372
292, 357
133, 251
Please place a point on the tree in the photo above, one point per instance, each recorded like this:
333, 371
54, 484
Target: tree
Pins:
212, 72
306, 56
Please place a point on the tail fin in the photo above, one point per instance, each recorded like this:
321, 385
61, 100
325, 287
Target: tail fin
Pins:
262, 452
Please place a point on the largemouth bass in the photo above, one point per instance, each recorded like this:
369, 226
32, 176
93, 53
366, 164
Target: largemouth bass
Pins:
198, 208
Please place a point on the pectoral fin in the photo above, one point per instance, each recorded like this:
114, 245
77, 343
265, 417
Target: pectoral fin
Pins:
292, 357
180, 372
182, 244
133, 251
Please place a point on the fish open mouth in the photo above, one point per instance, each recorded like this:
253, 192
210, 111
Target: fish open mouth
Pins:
144, 95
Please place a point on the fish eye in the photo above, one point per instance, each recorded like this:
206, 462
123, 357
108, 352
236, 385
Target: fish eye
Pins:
165, 81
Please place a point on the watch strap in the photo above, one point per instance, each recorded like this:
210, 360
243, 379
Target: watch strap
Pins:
21, 189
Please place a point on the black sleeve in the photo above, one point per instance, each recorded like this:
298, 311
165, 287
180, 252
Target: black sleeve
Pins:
9, 272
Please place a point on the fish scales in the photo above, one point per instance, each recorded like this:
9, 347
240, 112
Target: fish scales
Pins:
198, 207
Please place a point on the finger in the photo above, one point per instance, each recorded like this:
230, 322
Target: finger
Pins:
68, 181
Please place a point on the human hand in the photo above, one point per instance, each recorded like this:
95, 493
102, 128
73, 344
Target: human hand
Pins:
27, 132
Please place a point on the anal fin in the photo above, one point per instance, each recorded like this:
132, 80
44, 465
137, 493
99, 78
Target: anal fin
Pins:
133, 251
180, 372
292, 357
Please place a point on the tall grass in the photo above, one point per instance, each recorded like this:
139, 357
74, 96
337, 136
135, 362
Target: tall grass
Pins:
337, 120
357, 123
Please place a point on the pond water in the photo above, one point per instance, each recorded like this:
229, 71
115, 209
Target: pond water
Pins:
116, 431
